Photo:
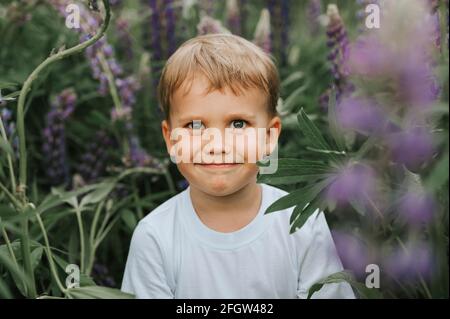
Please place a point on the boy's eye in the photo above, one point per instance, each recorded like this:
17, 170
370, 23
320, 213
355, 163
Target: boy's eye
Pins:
238, 124
195, 125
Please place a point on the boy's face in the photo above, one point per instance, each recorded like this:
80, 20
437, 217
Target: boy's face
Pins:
234, 117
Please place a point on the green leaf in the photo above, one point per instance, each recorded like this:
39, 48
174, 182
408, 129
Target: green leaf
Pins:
5, 293
311, 132
129, 218
291, 100
293, 77
335, 128
100, 193
58, 197
97, 292
303, 215
439, 174
8, 85
292, 171
17, 273
299, 196
346, 276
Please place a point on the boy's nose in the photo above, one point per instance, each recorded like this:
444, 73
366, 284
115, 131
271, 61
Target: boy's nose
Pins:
218, 145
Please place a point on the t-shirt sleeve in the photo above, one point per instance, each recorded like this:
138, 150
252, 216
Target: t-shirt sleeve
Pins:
319, 260
145, 275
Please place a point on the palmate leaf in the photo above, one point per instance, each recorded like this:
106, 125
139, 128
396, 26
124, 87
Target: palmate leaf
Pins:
311, 132
315, 138
298, 197
345, 276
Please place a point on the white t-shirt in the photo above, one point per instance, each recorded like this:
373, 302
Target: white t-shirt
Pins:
174, 255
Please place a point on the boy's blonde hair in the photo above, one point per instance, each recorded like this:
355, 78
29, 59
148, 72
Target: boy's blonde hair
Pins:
227, 61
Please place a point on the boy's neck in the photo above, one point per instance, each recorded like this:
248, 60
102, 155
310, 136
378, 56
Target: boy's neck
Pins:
227, 213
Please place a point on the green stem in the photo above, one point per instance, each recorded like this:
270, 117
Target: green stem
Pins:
9, 159
93, 229
25, 241
111, 84
82, 242
50, 255
114, 94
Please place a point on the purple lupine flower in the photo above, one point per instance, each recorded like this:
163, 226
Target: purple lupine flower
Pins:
353, 252
416, 207
417, 85
127, 88
412, 147
54, 146
170, 23
410, 75
407, 263
369, 57
360, 114
274, 24
94, 160
262, 37
339, 50
101, 56
435, 20
233, 16
285, 23
101, 50
355, 181
138, 157
208, 25
313, 11
155, 28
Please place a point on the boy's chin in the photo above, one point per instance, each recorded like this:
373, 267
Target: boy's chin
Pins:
220, 187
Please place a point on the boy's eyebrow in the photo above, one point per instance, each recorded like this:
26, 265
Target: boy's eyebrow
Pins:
249, 116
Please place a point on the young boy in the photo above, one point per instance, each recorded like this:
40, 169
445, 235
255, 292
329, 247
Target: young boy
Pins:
213, 240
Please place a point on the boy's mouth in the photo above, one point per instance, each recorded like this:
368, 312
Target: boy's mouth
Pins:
219, 165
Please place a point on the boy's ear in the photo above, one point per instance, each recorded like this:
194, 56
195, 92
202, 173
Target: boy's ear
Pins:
165, 128
273, 133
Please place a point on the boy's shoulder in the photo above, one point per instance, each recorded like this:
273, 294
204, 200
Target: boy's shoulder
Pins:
164, 212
